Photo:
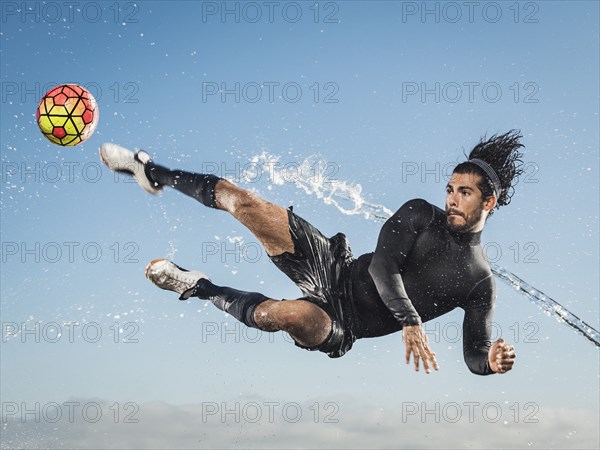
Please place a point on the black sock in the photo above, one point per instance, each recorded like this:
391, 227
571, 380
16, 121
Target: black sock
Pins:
240, 304
196, 185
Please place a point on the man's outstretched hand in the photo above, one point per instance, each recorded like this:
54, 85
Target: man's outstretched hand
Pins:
501, 356
416, 342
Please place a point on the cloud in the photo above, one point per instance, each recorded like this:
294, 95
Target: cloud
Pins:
260, 423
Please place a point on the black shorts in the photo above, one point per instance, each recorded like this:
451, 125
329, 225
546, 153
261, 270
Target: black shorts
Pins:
321, 267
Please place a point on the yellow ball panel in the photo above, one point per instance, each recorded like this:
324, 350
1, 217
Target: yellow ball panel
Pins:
58, 121
75, 141
58, 110
71, 104
73, 126
45, 124
53, 139
78, 109
49, 102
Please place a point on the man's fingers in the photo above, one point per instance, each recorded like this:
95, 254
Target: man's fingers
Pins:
425, 356
506, 361
507, 355
428, 358
416, 343
418, 353
434, 362
416, 359
420, 356
426, 365
503, 354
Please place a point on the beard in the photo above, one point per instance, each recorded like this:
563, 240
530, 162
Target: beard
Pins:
470, 220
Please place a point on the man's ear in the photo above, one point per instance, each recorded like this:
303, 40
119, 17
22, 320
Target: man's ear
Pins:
490, 203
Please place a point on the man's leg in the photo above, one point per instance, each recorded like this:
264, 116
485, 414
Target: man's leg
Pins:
308, 324
268, 222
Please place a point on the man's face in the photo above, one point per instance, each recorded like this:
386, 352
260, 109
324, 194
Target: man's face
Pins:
465, 208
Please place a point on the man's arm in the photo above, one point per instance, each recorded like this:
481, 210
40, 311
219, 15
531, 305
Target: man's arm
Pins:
481, 356
395, 242
477, 331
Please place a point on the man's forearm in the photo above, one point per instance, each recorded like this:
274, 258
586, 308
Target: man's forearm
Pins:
477, 361
403, 310
392, 292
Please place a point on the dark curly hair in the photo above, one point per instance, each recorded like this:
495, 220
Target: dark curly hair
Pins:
502, 153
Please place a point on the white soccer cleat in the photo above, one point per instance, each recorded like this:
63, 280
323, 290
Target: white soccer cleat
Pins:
169, 276
119, 159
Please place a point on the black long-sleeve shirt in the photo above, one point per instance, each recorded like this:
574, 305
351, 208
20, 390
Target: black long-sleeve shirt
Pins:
421, 270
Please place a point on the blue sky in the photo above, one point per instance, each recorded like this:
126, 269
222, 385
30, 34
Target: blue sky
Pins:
387, 96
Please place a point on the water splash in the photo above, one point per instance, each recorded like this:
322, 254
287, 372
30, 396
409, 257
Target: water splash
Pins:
547, 304
315, 177
348, 199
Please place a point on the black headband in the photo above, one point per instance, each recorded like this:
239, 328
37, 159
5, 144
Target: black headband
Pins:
489, 171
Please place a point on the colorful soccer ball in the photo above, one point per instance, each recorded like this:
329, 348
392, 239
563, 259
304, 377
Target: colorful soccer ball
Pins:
67, 114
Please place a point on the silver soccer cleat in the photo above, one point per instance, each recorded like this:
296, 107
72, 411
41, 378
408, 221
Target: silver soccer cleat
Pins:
119, 159
169, 276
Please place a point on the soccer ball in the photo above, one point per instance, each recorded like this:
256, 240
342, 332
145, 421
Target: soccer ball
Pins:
67, 114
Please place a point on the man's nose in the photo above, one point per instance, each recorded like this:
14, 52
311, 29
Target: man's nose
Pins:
452, 200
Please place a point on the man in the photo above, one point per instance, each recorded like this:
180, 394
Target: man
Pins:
427, 262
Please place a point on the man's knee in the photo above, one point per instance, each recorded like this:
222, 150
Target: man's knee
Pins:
308, 324
235, 199
292, 315
278, 315
266, 316
306, 321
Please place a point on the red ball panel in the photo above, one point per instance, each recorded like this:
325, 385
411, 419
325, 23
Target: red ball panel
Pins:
59, 132
54, 91
60, 99
88, 116
72, 90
